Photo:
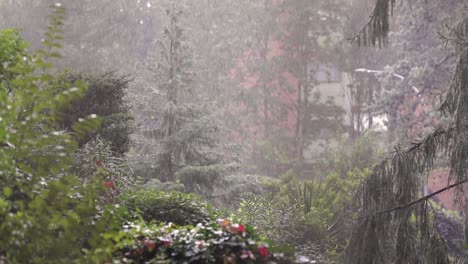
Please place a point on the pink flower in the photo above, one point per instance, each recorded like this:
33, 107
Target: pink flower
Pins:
234, 228
200, 243
263, 251
241, 228
247, 254
108, 184
99, 163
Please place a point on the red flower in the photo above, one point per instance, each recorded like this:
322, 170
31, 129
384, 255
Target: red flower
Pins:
99, 163
166, 243
108, 184
241, 228
149, 244
263, 251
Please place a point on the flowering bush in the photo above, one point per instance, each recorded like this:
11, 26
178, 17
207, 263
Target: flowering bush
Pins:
220, 242
96, 160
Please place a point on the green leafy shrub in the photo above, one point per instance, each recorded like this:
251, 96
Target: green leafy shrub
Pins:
278, 219
220, 242
157, 185
201, 179
49, 224
46, 214
308, 215
363, 153
12, 50
175, 207
96, 160
105, 98
241, 187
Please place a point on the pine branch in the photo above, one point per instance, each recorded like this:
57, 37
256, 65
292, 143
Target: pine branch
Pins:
377, 28
422, 199
442, 61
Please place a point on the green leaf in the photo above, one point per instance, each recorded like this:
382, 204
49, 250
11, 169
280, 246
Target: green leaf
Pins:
8, 192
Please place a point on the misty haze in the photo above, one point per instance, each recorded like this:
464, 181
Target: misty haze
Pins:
234, 131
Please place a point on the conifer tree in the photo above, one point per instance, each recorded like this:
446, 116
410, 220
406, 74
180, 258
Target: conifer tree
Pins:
396, 224
179, 128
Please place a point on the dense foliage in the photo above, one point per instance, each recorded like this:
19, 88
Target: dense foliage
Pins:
49, 214
105, 98
178, 208
311, 216
97, 160
46, 213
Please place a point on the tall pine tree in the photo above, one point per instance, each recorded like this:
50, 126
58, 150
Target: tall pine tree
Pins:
180, 129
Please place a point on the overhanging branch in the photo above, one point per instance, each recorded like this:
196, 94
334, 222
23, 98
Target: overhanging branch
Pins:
422, 199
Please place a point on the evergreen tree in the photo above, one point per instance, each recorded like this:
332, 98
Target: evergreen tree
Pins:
396, 224
104, 98
414, 66
180, 134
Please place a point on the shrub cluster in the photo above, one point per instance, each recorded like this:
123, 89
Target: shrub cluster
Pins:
175, 207
216, 242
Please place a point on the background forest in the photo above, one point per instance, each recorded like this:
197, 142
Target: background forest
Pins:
221, 131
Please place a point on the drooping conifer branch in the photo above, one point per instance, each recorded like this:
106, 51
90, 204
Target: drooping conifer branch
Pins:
377, 28
420, 200
395, 225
